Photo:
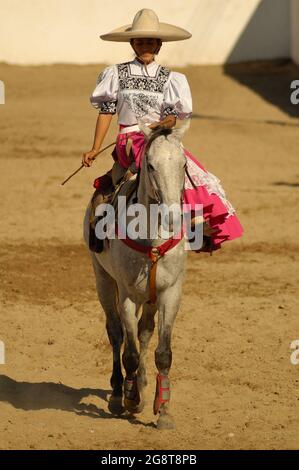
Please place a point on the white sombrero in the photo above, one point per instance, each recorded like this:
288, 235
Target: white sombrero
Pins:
146, 25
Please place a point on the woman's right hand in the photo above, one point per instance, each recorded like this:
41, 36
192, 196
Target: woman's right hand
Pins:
89, 157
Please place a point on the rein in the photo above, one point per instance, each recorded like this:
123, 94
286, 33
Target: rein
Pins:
189, 177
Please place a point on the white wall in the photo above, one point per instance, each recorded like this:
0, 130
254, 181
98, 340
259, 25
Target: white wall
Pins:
295, 31
47, 31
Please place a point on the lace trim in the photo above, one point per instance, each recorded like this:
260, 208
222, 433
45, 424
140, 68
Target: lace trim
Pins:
107, 107
210, 181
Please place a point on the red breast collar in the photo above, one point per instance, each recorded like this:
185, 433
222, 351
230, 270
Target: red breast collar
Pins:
159, 250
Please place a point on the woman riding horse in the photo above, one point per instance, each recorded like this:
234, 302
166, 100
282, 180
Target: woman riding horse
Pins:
143, 90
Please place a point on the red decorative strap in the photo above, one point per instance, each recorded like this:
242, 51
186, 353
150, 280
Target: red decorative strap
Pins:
162, 392
154, 253
162, 249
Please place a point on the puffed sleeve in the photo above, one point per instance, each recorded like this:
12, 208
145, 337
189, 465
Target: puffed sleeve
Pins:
104, 96
177, 98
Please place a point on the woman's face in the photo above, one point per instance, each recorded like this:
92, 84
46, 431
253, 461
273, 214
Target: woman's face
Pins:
146, 47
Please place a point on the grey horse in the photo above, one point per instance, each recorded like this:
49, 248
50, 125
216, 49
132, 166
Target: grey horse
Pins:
123, 282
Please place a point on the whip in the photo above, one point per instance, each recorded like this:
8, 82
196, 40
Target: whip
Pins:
80, 168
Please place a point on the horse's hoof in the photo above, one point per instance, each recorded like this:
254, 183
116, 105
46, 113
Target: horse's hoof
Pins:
139, 407
165, 422
133, 407
115, 405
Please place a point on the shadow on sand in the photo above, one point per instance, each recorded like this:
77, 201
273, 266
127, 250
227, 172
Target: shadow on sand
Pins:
56, 396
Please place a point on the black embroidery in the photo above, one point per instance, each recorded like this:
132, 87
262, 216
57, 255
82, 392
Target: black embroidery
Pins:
140, 103
134, 82
169, 110
107, 107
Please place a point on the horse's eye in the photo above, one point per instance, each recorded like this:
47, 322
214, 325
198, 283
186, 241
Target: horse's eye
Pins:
150, 167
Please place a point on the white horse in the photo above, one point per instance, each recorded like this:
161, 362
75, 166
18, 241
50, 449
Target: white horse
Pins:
123, 282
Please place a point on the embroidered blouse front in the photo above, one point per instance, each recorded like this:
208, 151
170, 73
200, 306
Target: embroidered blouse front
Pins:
126, 89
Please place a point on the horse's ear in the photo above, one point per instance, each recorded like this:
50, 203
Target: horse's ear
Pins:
180, 131
144, 129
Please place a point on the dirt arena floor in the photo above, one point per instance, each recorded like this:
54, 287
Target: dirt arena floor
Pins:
234, 386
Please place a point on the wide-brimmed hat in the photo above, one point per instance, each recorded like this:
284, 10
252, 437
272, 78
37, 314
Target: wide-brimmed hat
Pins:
146, 24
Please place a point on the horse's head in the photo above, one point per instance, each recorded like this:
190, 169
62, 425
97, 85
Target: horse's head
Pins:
163, 164
162, 175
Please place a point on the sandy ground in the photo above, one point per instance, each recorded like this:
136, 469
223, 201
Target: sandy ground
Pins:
233, 383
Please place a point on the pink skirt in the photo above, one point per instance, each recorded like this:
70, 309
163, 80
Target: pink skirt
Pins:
217, 210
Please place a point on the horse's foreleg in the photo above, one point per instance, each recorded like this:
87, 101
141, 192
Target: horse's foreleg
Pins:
168, 305
130, 357
106, 289
146, 326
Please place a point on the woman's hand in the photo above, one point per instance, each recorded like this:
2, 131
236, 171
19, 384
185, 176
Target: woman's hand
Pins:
155, 125
89, 157
168, 122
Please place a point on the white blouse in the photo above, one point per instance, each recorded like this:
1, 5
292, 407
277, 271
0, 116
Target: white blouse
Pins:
128, 90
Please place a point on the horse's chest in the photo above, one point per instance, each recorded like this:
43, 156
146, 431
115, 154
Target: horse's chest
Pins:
136, 274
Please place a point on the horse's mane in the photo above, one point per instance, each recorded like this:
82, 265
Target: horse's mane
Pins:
157, 133
161, 131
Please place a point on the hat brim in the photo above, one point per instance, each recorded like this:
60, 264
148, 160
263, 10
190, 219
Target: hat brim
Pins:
167, 32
